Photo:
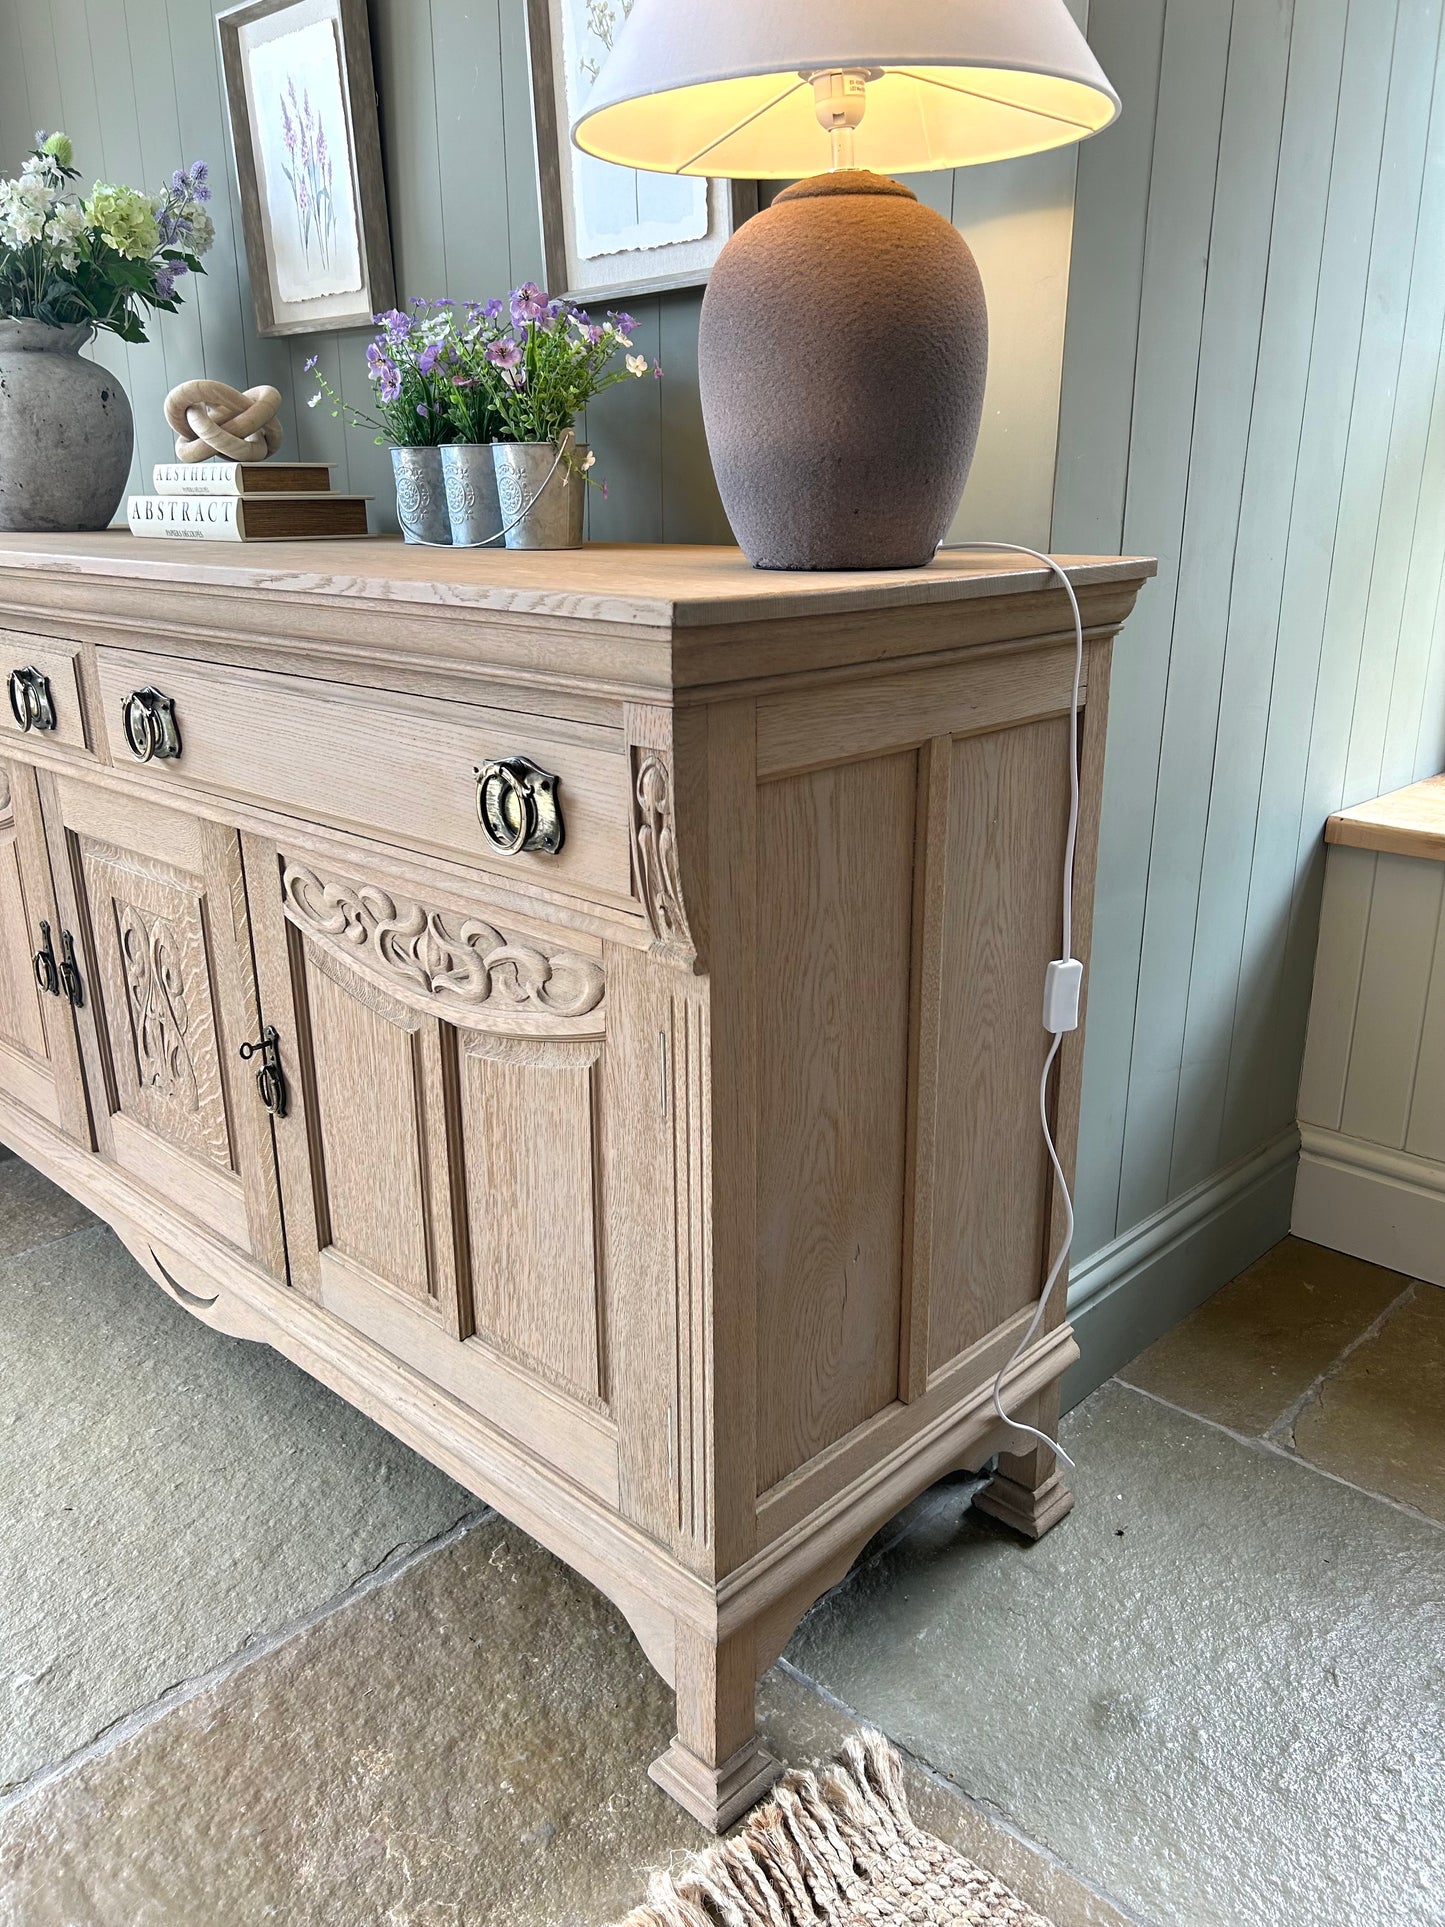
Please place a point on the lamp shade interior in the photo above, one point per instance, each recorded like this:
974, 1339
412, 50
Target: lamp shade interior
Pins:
718, 87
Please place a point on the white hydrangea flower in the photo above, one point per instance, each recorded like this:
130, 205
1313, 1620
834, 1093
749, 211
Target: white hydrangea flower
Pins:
64, 230
203, 229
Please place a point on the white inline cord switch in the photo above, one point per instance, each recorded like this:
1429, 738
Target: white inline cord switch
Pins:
1063, 994
1063, 986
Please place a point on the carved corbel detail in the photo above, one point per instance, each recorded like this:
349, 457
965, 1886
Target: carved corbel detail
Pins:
656, 873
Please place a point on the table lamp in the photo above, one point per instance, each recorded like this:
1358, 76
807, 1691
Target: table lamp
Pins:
843, 344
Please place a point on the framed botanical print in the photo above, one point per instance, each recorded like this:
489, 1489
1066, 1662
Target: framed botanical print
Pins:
606, 230
308, 159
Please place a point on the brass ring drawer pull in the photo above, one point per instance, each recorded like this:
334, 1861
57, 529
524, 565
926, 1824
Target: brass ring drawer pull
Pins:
151, 729
517, 807
31, 703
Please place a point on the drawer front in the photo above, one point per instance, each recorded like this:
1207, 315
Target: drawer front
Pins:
51, 669
399, 767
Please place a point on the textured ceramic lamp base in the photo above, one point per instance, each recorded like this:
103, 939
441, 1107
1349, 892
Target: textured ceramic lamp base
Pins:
843, 351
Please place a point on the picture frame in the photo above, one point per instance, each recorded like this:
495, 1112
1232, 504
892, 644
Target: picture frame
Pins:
610, 232
301, 95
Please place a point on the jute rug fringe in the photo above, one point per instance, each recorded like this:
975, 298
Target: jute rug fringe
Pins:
833, 1847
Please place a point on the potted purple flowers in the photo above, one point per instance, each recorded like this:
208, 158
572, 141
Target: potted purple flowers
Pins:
479, 407
543, 361
409, 368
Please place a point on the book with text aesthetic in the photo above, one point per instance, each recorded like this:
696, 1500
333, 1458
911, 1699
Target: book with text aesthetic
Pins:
240, 518
241, 478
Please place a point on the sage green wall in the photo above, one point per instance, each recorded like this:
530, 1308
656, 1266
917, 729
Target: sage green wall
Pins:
136, 85
1252, 391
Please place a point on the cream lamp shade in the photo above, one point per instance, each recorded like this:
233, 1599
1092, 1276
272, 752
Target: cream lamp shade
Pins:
727, 87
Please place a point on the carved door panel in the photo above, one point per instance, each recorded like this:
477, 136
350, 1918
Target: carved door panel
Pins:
157, 900
439, 1162
39, 1063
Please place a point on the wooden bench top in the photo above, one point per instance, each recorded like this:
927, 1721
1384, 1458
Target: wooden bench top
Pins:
1407, 822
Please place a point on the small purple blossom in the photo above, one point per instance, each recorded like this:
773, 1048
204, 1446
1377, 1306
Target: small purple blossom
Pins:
427, 359
493, 309
504, 354
311, 363
422, 410
528, 304
623, 322
165, 283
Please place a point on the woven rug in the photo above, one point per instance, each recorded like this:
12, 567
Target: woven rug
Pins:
834, 1849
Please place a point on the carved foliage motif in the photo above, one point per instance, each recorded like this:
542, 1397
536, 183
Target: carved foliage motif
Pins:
656, 873
459, 958
160, 1016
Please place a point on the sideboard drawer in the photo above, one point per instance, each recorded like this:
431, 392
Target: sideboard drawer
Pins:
393, 765
49, 668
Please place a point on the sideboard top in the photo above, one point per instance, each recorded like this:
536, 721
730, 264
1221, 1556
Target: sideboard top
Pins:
664, 585
669, 616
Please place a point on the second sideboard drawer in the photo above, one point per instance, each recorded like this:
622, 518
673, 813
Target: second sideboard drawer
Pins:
405, 768
40, 690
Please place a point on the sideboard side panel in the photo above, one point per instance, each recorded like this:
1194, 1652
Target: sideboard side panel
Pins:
835, 917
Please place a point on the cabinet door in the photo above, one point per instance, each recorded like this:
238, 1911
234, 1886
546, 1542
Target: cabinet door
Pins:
439, 1158
39, 1063
157, 900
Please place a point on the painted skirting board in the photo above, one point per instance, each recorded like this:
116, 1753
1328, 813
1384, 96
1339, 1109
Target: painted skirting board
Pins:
1137, 1287
1376, 1203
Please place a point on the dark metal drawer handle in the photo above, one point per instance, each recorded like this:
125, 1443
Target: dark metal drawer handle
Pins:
517, 807
31, 703
270, 1079
47, 970
151, 729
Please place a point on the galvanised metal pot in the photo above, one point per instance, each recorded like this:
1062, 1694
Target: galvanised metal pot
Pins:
421, 496
470, 475
541, 496
66, 433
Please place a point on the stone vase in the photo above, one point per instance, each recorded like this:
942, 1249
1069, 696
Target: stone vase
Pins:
421, 496
541, 498
470, 475
66, 433
842, 354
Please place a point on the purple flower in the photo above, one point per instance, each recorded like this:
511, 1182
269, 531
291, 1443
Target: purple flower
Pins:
595, 334
422, 410
427, 359
200, 177
626, 325
656, 371
312, 361
288, 125
505, 354
165, 283
493, 309
528, 304
397, 325
179, 183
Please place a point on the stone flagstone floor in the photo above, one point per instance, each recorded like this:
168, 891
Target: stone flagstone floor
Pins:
260, 1664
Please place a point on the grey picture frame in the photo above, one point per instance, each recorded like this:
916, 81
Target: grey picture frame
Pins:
274, 315
735, 200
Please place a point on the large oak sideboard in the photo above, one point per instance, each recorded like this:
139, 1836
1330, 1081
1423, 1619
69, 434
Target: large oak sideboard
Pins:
585, 1009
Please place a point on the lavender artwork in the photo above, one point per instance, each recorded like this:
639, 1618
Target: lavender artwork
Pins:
617, 209
298, 113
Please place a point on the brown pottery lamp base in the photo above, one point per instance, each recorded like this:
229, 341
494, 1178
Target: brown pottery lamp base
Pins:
843, 350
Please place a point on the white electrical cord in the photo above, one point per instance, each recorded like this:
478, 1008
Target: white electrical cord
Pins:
1061, 999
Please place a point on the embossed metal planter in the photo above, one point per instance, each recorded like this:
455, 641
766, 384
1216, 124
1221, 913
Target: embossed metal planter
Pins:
542, 497
471, 483
421, 496
65, 431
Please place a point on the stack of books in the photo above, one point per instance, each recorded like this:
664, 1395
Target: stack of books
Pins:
245, 502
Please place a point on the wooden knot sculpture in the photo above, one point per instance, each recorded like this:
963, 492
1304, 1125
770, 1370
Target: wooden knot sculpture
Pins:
212, 418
